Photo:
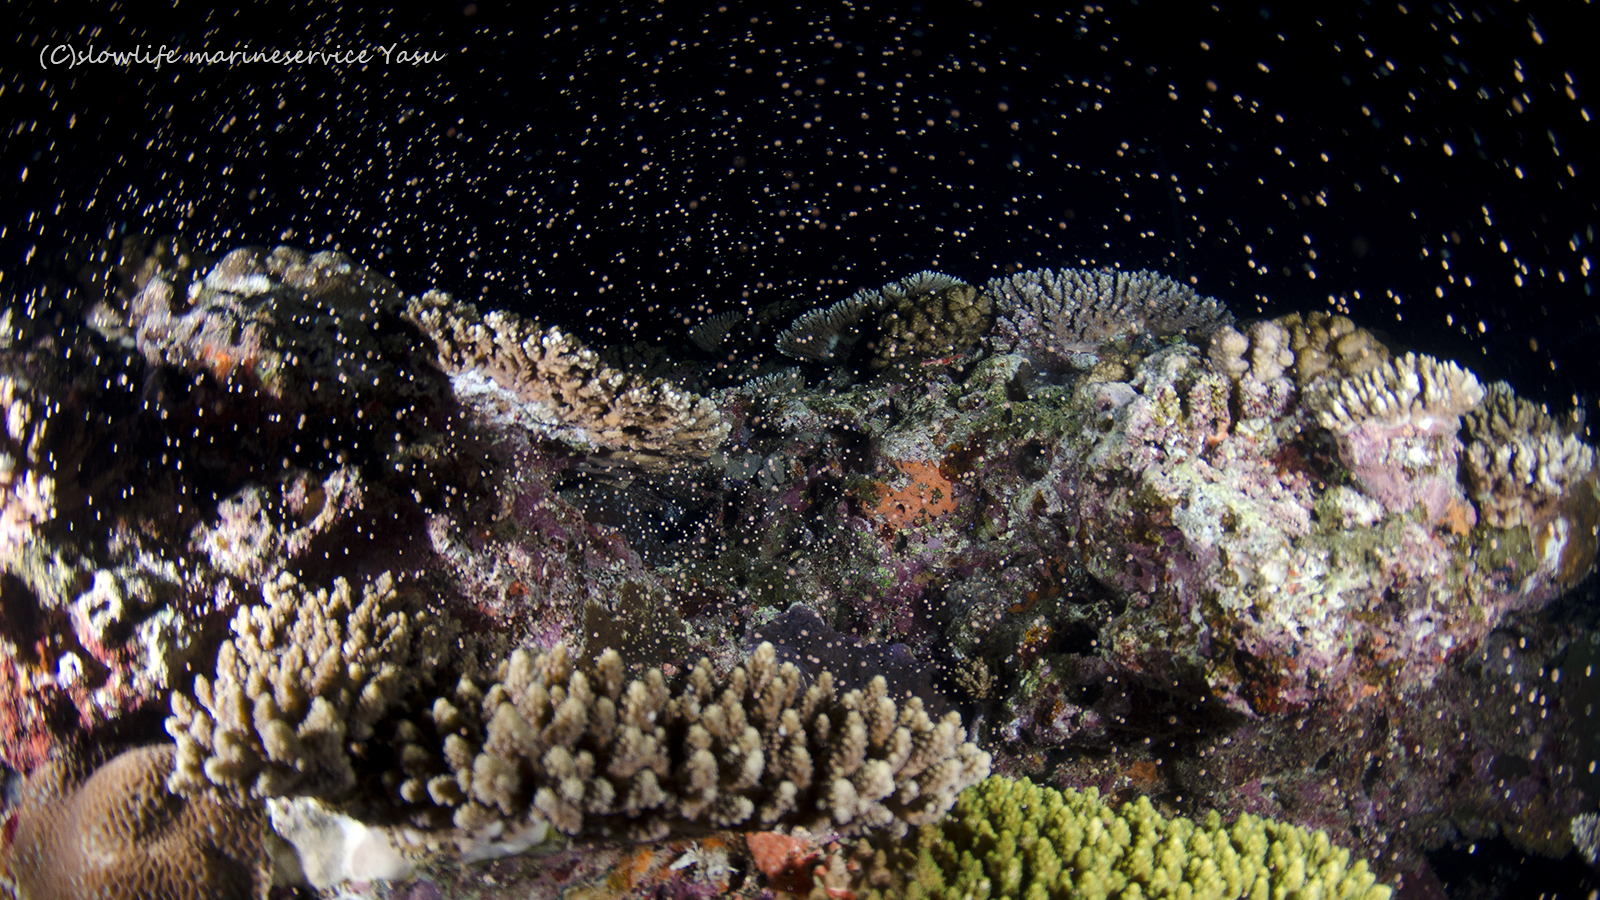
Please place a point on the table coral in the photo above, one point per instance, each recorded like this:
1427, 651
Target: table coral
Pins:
1062, 312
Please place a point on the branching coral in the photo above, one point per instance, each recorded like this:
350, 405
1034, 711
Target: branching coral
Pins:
300, 685
1063, 312
1010, 838
596, 753
1519, 460
547, 380
303, 685
1424, 393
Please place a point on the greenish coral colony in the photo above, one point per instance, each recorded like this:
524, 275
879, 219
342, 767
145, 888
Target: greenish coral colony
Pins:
1012, 838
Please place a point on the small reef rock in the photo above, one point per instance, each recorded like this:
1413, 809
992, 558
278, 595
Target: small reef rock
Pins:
452, 585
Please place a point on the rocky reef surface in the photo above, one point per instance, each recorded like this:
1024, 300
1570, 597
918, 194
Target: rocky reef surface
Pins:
731, 614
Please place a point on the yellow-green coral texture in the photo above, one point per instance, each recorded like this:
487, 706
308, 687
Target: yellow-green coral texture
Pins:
1008, 838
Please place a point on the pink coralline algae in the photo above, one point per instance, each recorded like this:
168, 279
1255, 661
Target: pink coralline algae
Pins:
1133, 545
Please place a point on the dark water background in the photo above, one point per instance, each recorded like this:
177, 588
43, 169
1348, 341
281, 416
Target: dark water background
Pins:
626, 167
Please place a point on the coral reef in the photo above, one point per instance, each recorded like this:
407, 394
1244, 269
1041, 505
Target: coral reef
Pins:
1113, 539
1526, 470
197, 410
1288, 553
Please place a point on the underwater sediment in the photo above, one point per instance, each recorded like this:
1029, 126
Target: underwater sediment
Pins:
379, 563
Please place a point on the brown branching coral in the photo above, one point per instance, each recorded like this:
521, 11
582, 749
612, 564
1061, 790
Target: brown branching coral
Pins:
549, 381
305, 677
1063, 312
596, 753
118, 834
1417, 391
1519, 460
314, 681
1324, 342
